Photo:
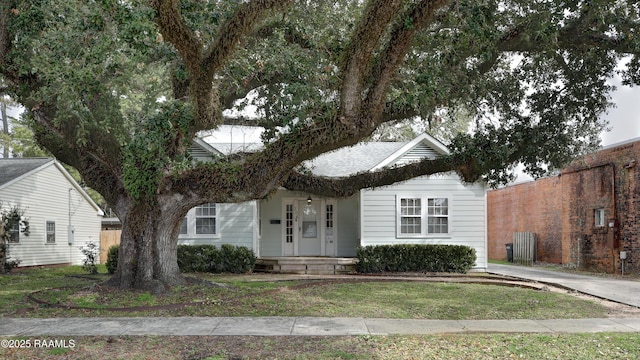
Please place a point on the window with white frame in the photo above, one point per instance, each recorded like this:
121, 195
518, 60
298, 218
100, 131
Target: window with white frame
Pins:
410, 216
51, 232
438, 216
206, 219
598, 218
416, 219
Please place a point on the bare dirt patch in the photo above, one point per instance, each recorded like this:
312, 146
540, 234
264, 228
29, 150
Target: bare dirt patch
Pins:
614, 309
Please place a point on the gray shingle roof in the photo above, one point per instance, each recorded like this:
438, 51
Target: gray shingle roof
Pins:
341, 162
350, 160
13, 168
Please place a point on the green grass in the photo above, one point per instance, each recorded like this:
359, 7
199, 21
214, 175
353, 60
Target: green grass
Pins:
15, 286
452, 346
242, 296
245, 296
501, 262
454, 301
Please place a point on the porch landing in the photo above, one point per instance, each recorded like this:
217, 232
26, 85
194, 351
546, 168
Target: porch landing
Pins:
311, 265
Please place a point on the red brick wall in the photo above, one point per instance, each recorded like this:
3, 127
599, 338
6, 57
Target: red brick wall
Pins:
529, 207
560, 210
622, 169
584, 191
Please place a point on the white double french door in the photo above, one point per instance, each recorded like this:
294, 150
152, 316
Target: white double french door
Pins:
309, 227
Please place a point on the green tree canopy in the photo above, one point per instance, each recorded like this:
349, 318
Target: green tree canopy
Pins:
16, 138
118, 88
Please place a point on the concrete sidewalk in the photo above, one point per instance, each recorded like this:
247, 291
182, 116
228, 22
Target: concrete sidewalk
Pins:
621, 291
299, 326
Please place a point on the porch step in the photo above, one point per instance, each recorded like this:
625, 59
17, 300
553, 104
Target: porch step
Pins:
306, 265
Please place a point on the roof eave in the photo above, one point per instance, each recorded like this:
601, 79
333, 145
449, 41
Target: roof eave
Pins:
28, 173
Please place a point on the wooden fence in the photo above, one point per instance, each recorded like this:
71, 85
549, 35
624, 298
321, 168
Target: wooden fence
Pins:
108, 238
524, 248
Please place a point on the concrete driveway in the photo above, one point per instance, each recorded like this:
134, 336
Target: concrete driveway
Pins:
622, 291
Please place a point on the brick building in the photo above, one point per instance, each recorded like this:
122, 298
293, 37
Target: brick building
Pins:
583, 217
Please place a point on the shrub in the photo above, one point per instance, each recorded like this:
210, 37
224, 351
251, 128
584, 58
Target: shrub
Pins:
208, 258
198, 258
237, 259
202, 258
91, 256
415, 258
6, 264
9, 219
112, 258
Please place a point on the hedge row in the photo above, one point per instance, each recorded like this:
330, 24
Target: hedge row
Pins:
208, 258
203, 258
415, 258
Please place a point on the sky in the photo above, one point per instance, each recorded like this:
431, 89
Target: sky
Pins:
624, 119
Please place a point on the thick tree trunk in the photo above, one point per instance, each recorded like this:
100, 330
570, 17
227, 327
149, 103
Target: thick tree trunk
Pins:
147, 259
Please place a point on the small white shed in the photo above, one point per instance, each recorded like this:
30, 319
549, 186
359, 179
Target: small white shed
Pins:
62, 217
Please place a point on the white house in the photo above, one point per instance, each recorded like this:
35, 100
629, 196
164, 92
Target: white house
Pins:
426, 210
54, 204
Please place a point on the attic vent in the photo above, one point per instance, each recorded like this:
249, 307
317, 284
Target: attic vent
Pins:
199, 153
418, 153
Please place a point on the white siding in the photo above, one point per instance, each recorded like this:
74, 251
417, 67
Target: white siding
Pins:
272, 222
347, 222
467, 219
45, 197
235, 225
419, 152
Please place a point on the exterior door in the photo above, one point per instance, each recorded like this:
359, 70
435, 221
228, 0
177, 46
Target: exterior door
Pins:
309, 228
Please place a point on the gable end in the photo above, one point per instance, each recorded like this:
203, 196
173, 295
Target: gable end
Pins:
424, 146
419, 152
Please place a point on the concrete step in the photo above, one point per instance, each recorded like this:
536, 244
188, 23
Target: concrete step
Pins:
306, 265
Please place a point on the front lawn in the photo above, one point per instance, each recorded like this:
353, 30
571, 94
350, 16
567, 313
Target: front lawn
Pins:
244, 296
73, 294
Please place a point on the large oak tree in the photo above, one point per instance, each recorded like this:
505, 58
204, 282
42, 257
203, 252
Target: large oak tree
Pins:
118, 88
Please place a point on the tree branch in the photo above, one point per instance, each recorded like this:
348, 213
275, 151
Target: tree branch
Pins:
291, 35
347, 186
202, 67
235, 29
96, 168
173, 29
4, 33
357, 59
577, 33
417, 18
394, 113
7, 9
